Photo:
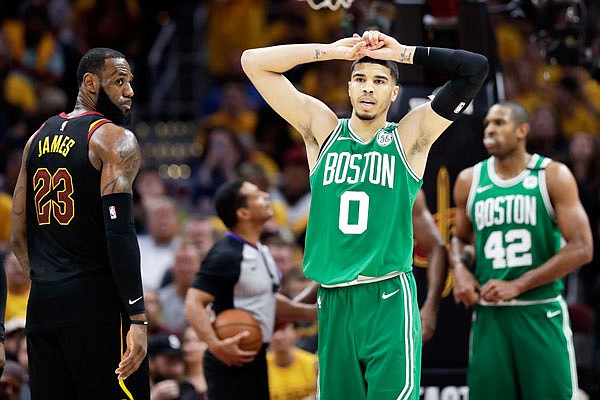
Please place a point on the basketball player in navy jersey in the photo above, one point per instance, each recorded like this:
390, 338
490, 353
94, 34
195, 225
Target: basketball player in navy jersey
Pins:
73, 233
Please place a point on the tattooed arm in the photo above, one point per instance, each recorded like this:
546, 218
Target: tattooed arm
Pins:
311, 117
115, 152
18, 223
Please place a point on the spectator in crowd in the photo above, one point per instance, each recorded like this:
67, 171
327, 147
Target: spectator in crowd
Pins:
23, 361
157, 247
167, 370
223, 152
15, 331
294, 190
200, 231
11, 381
18, 285
234, 112
38, 63
172, 297
287, 255
239, 272
292, 371
7, 187
193, 357
154, 313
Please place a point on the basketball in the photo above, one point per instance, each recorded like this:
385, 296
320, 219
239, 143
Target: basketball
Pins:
233, 321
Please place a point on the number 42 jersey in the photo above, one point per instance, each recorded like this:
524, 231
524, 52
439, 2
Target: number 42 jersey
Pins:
360, 221
514, 224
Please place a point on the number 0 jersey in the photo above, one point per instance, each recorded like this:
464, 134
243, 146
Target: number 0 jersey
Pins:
514, 224
360, 221
70, 271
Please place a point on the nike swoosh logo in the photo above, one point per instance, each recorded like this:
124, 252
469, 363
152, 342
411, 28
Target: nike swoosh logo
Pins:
135, 301
484, 188
388, 295
552, 314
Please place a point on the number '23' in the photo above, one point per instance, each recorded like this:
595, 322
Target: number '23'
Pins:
63, 207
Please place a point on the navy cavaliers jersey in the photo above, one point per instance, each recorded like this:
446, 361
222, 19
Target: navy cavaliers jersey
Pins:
71, 278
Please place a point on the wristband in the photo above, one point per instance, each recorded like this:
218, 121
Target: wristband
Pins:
138, 322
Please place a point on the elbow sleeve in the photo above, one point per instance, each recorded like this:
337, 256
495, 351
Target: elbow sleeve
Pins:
468, 71
123, 250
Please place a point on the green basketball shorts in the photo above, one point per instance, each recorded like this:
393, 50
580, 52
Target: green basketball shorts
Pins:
370, 341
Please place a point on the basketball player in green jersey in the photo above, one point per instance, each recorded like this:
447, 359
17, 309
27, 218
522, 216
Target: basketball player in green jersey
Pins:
516, 209
365, 173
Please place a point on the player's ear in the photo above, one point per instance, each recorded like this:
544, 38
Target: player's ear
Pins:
395, 92
91, 82
523, 130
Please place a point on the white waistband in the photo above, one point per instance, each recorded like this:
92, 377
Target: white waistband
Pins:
515, 302
365, 279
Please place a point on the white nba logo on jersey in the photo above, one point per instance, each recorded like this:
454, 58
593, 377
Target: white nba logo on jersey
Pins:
62, 127
113, 212
384, 139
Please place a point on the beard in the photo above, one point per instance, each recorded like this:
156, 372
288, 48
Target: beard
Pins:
111, 111
365, 117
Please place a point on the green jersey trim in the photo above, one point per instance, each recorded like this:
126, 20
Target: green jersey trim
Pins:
505, 183
328, 143
400, 148
473, 190
544, 190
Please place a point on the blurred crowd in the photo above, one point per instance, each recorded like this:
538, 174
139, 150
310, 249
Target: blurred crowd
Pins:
41, 42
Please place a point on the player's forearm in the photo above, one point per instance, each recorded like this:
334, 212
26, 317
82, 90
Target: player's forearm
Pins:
309, 294
123, 250
568, 259
279, 59
459, 255
436, 274
293, 311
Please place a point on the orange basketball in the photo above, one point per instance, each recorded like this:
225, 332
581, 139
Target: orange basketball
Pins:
233, 321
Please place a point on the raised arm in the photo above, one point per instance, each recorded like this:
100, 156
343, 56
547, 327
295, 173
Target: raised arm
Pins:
423, 125
115, 152
311, 117
430, 241
466, 287
575, 229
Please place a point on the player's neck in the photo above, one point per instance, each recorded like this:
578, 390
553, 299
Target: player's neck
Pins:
83, 104
511, 165
366, 129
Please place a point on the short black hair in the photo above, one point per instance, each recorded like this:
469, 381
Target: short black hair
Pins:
228, 200
93, 61
391, 65
519, 113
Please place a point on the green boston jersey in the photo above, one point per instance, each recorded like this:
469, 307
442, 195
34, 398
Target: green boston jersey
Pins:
514, 224
360, 221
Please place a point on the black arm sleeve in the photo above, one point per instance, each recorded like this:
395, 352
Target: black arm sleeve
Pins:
123, 250
468, 71
3, 291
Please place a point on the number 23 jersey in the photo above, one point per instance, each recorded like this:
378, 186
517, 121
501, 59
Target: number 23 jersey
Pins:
514, 224
360, 221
